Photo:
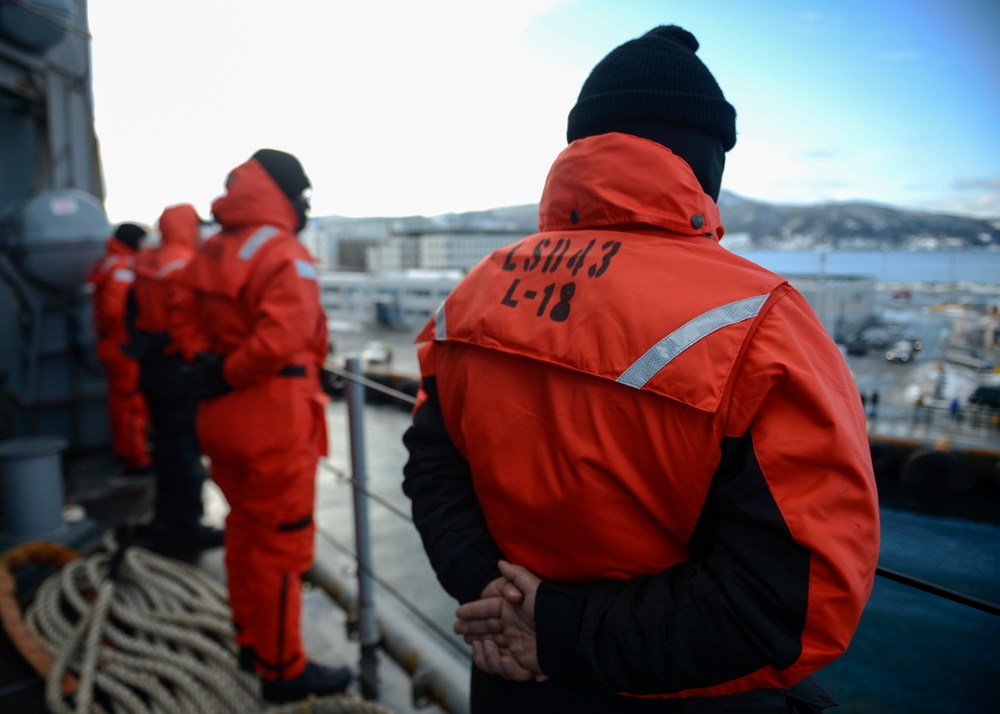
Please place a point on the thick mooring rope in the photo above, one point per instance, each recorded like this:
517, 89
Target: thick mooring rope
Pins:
143, 633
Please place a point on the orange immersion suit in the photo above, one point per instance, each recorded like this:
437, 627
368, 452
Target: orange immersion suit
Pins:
112, 278
172, 408
664, 433
250, 295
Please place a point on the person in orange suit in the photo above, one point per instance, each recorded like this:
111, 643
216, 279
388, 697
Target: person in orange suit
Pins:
249, 320
111, 279
637, 459
172, 407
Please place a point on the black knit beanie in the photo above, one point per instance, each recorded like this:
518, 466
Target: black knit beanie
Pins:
286, 171
654, 79
130, 234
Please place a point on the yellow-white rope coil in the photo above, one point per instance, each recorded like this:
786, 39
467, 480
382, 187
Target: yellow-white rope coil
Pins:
153, 636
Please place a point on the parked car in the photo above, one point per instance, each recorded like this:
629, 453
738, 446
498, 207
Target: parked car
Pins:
857, 346
377, 353
901, 351
987, 396
877, 337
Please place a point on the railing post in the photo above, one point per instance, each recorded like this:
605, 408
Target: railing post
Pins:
367, 623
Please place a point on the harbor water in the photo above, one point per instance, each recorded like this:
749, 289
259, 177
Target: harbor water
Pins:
940, 267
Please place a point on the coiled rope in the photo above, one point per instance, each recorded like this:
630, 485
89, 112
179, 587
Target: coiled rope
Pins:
143, 633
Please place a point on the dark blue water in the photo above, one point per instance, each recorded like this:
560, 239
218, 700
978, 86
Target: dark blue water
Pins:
903, 266
912, 653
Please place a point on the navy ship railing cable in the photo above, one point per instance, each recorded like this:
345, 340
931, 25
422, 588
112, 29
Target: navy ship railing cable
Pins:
345, 478
895, 576
399, 597
938, 590
371, 384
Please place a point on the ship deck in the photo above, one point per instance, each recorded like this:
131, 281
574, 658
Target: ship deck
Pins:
109, 505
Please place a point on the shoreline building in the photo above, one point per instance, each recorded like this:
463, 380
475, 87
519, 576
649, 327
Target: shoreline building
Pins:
401, 299
845, 304
410, 267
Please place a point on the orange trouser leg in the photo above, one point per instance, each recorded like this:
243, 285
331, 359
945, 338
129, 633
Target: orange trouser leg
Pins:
127, 413
269, 544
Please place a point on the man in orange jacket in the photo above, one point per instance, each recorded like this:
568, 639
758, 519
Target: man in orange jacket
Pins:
249, 318
637, 459
111, 279
173, 405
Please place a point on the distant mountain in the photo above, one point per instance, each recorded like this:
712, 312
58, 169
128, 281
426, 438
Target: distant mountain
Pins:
849, 226
761, 225
510, 219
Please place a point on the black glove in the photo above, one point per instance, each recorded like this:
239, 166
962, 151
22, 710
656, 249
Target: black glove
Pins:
145, 344
213, 383
204, 376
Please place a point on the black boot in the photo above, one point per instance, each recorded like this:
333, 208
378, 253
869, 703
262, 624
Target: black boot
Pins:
316, 679
247, 658
201, 537
171, 538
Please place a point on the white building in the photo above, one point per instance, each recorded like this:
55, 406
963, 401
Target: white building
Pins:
461, 250
395, 254
844, 303
404, 299
407, 273
407, 298
443, 250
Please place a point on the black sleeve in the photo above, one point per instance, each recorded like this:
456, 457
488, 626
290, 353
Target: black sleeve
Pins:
737, 605
141, 344
446, 512
131, 314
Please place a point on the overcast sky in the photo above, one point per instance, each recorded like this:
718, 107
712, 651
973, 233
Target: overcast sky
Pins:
403, 108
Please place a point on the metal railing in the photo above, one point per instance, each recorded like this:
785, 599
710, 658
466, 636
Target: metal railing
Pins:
436, 676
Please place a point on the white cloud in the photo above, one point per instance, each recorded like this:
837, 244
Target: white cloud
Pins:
398, 107
393, 108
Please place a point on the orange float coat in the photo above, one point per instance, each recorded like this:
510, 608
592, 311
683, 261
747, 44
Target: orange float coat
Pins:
156, 268
172, 403
111, 278
659, 429
251, 295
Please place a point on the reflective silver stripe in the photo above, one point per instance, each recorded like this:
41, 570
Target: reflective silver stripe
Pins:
659, 355
170, 267
305, 269
440, 330
253, 244
123, 275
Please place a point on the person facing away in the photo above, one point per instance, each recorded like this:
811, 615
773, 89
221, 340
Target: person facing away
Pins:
111, 279
173, 405
637, 459
250, 322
